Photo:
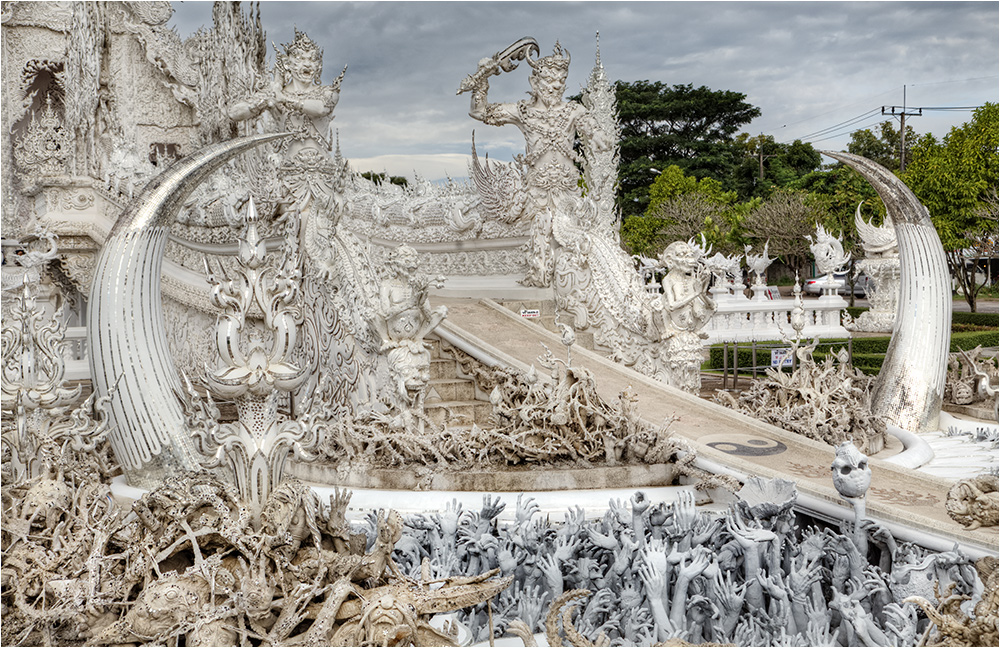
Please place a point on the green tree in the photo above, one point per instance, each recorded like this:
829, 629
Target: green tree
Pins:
766, 165
682, 207
379, 178
785, 219
683, 125
882, 147
671, 183
956, 180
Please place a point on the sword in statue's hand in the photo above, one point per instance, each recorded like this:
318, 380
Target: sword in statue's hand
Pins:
504, 61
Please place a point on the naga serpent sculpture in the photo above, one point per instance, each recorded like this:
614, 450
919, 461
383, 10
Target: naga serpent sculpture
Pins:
910, 387
125, 327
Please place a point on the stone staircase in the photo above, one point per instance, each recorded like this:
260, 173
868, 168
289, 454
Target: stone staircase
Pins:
543, 313
450, 398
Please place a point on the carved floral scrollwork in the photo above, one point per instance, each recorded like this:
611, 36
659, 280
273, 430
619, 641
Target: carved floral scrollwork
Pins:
45, 148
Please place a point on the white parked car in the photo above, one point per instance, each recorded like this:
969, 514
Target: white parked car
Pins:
814, 286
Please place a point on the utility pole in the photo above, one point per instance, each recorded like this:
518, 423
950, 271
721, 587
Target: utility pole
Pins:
901, 112
760, 155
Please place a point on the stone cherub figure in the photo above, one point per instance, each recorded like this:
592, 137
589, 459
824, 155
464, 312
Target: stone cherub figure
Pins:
404, 317
550, 126
683, 310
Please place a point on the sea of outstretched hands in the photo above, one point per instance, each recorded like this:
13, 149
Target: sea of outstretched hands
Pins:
659, 571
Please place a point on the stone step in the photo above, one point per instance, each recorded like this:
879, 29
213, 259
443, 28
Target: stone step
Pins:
462, 413
444, 369
457, 389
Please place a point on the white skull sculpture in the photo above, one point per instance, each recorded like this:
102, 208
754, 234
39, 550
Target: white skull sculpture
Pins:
851, 473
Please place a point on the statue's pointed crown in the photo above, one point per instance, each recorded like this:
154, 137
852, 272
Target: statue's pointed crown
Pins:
555, 65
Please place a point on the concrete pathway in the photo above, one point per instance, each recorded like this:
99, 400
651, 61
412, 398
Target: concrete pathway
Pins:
910, 503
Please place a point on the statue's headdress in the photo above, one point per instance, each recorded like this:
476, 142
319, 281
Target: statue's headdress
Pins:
301, 46
555, 66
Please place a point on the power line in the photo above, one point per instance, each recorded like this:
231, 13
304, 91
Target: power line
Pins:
847, 122
844, 132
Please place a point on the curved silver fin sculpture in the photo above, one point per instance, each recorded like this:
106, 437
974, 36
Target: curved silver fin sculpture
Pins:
125, 329
910, 386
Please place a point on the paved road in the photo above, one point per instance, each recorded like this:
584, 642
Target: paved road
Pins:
897, 495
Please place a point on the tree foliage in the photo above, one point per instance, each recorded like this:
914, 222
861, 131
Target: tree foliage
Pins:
767, 165
379, 178
690, 127
681, 207
956, 180
882, 147
785, 219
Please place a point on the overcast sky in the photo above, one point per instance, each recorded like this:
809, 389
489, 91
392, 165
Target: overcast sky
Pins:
813, 68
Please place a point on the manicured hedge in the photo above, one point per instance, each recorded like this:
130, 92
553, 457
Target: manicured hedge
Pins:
867, 352
989, 320
971, 340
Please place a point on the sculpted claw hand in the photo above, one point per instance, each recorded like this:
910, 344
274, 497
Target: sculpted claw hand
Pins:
574, 521
685, 513
530, 605
601, 540
565, 548
450, 517
620, 512
746, 536
654, 580
699, 562
639, 503
525, 509
491, 509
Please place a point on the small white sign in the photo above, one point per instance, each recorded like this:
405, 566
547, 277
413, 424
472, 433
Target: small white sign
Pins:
781, 357
531, 312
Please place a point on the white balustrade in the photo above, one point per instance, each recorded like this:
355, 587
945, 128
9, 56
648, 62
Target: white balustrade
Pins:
76, 354
738, 319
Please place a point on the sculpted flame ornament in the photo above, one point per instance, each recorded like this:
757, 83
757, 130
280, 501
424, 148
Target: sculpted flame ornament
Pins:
828, 252
881, 265
256, 447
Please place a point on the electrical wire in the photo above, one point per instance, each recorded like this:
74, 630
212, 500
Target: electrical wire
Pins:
845, 132
848, 122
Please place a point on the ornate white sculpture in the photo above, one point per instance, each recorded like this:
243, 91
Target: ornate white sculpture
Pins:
828, 401
403, 319
256, 368
572, 243
46, 435
149, 436
298, 103
685, 307
972, 380
758, 264
851, 477
910, 385
828, 251
549, 125
881, 266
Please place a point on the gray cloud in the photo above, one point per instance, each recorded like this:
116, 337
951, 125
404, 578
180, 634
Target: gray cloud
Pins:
807, 65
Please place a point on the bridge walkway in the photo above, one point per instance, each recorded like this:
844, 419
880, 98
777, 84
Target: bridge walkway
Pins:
910, 503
